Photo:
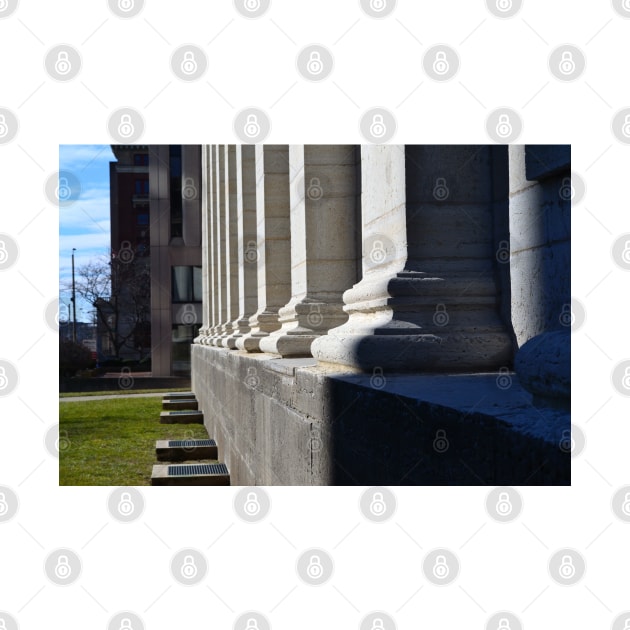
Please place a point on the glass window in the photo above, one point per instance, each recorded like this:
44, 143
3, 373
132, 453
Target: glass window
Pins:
186, 284
175, 167
141, 159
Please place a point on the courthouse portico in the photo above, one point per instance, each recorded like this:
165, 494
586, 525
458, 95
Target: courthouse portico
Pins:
360, 302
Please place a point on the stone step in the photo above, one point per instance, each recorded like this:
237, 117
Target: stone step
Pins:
178, 395
174, 405
190, 474
180, 450
181, 417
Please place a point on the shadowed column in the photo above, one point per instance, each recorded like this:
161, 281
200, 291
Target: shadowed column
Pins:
428, 298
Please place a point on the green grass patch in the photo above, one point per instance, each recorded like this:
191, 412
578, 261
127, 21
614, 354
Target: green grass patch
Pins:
119, 392
112, 442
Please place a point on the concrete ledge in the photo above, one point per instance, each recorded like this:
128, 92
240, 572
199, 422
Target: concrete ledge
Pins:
181, 417
282, 424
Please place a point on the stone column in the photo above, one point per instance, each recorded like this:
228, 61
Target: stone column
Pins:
323, 238
205, 191
273, 242
220, 257
428, 299
231, 247
247, 246
540, 267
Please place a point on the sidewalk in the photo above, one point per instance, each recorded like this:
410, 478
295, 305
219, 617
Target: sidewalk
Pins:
110, 397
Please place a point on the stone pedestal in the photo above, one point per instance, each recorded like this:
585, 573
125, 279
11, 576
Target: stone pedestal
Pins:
323, 237
272, 242
428, 297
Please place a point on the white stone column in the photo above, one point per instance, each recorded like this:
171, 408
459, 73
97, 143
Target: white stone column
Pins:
205, 192
428, 299
273, 242
231, 247
220, 258
323, 244
247, 246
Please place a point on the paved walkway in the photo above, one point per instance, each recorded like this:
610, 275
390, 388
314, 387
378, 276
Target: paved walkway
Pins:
110, 397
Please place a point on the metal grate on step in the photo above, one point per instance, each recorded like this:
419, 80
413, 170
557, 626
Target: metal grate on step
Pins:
191, 443
197, 469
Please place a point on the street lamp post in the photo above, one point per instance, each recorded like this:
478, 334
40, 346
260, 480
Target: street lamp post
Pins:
74, 302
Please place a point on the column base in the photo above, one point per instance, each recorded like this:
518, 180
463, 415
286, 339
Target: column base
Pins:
262, 325
303, 321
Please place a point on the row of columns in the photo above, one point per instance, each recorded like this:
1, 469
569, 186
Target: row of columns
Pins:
371, 256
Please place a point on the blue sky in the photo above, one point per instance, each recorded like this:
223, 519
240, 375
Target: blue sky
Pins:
84, 220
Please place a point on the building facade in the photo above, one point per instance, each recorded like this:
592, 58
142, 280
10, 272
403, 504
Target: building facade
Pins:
156, 230
365, 309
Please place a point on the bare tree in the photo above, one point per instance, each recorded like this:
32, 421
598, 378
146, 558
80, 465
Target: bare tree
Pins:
119, 288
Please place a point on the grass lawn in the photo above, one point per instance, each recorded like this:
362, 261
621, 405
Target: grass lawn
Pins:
118, 392
112, 442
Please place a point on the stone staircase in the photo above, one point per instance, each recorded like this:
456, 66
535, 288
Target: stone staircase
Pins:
186, 462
